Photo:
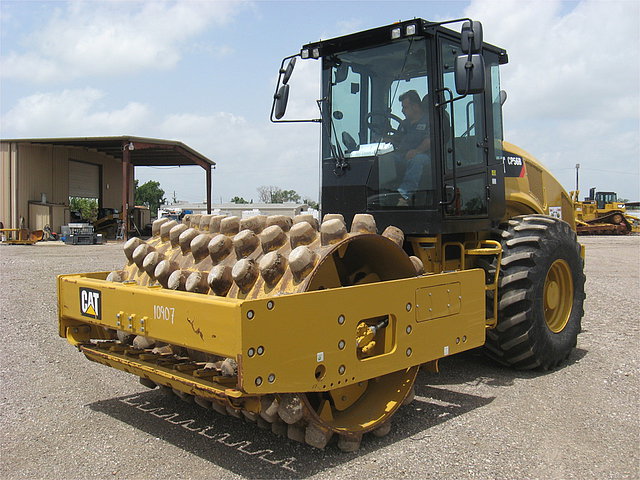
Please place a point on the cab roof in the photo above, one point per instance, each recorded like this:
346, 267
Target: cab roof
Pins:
382, 35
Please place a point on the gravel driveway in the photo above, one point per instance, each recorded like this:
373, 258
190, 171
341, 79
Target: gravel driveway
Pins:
65, 417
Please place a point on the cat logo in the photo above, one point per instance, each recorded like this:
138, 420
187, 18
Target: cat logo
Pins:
90, 303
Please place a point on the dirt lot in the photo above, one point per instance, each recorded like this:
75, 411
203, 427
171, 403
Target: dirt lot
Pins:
64, 417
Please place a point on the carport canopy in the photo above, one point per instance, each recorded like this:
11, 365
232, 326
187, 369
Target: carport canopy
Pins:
138, 152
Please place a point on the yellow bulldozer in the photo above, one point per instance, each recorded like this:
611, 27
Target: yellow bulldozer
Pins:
437, 237
601, 213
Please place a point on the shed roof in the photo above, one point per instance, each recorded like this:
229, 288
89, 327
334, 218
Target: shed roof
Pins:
143, 152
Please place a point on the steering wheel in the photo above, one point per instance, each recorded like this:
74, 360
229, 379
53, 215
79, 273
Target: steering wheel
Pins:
380, 123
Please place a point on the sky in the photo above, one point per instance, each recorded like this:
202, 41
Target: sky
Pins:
204, 72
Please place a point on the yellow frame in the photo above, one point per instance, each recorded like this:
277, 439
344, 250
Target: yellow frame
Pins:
298, 333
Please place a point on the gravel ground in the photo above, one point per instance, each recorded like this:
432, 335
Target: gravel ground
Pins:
65, 417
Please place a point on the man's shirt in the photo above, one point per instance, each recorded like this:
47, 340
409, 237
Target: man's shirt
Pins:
412, 134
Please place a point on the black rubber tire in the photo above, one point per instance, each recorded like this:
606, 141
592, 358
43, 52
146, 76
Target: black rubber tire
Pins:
522, 339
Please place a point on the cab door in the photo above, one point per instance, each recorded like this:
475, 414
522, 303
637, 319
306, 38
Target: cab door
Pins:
464, 140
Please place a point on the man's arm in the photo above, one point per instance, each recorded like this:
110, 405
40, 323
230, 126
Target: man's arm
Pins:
424, 146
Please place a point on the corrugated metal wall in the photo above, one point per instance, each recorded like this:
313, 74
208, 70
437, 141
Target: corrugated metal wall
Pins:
35, 176
5, 185
45, 169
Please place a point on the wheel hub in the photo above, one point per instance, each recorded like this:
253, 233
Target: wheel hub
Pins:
558, 295
552, 297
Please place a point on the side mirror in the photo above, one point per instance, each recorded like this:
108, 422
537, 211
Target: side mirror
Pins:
281, 99
469, 74
503, 97
471, 41
288, 71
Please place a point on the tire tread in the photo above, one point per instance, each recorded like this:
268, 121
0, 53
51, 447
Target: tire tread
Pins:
530, 244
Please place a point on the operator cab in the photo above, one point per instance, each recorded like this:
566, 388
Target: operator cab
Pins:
397, 142
604, 198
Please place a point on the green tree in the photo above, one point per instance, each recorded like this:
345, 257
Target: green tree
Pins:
237, 199
312, 203
150, 195
86, 207
288, 196
272, 194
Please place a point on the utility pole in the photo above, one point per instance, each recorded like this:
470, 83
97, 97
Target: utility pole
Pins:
577, 183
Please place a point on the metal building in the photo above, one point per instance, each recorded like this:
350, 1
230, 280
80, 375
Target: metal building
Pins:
38, 175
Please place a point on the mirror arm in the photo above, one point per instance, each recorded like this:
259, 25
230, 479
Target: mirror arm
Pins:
471, 36
468, 67
308, 120
437, 24
275, 96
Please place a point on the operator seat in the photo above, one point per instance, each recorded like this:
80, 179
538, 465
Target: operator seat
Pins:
425, 196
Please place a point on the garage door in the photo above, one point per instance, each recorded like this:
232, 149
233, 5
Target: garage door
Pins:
84, 180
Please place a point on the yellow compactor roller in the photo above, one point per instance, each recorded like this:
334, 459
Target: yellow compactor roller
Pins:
316, 330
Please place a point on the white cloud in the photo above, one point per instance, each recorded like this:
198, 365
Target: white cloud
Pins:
248, 154
573, 98
89, 38
573, 85
71, 113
